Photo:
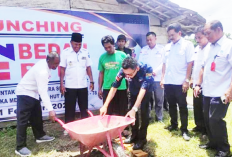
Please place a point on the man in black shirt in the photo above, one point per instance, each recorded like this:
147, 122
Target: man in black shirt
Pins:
121, 42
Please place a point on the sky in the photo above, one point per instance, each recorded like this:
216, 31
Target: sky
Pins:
211, 10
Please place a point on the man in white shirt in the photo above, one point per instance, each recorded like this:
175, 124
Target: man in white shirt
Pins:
153, 55
34, 84
217, 75
201, 52
177, 67
74, 65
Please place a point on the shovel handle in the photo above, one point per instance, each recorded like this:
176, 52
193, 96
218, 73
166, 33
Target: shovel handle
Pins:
59, 121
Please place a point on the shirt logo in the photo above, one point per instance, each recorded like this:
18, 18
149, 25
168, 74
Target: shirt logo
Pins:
70, 63
83, 58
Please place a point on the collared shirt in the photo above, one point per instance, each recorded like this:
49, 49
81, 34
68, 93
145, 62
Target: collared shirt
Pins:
126, 50
143, 79
35, 83
177, 57
199, 57
154, 57
75, 64
217, 82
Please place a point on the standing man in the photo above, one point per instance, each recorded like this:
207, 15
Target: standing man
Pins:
141, 86
153, 55
201, 52
177, 68
217, 75
75, 64
34, 84
109, 65
121, 42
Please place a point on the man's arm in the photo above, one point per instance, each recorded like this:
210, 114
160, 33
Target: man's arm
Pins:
185, 85
100, 82
42, 85
89, 73
162, 77
197, 88
62, 74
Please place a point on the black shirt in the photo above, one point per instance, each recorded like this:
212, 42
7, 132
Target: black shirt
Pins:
126, 50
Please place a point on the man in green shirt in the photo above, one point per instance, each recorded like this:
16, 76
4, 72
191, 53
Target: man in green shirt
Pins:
109, 65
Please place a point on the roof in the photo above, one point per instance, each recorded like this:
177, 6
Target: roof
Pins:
169, 12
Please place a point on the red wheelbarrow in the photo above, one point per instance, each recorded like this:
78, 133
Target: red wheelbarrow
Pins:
95, 130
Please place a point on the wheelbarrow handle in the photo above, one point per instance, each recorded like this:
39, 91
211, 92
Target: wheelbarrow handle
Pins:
59, 121
90, 113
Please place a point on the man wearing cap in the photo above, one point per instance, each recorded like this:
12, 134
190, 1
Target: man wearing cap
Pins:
121, 42
74, 65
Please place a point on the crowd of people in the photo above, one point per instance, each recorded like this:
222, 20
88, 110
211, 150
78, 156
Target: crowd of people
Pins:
162, 74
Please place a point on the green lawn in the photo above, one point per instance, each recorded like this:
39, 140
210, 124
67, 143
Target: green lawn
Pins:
161, 143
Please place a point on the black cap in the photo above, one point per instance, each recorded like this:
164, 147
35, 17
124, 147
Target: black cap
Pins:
121, 37
77, 37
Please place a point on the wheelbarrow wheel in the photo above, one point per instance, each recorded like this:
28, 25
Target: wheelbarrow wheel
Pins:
118, 150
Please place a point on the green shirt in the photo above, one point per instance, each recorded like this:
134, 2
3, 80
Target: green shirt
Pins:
110, 64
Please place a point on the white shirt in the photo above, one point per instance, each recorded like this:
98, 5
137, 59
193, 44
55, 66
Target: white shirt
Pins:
75, 64
35, 83
217, 82
153, 57
199, 57
177, 57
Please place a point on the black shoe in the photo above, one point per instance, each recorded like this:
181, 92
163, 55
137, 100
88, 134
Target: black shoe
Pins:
140, 144
222, 154
171, 128
197, 129
206, 146
130, 139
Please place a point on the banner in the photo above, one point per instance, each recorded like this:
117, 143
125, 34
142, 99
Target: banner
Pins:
28, 35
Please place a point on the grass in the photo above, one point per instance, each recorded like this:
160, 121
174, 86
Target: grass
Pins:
161, 143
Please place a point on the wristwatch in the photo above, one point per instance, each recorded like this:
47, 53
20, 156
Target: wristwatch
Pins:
198, 85
92, 82
187, 80
135, 109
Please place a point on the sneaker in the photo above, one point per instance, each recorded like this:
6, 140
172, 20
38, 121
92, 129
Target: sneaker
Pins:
23, 152
65, 132
45, 138
186, 136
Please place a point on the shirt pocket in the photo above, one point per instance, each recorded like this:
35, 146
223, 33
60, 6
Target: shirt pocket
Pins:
71, 63
82, 63
221, 62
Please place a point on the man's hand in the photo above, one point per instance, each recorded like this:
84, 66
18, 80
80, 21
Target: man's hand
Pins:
62, 89
100, 94
52, 115
154, 74
228, 96
103, 110
91, 86
197, 91
131, 114
185, 87
162, 83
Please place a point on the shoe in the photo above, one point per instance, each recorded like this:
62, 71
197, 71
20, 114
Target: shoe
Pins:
205, 146
23, 152
139, 145
65, 132
171, 128
222, 154
130, 139
186, 136
45, 138
197, 129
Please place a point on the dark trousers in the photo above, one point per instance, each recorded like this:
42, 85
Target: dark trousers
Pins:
28, 109
176, 96
165, 104
141, 132
214, 112
119, 104
198, 112
71, 97
159, 100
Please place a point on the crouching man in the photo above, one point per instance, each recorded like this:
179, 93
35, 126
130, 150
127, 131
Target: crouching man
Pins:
34, 84
140, 86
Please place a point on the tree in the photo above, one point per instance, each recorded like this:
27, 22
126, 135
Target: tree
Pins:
228, 35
